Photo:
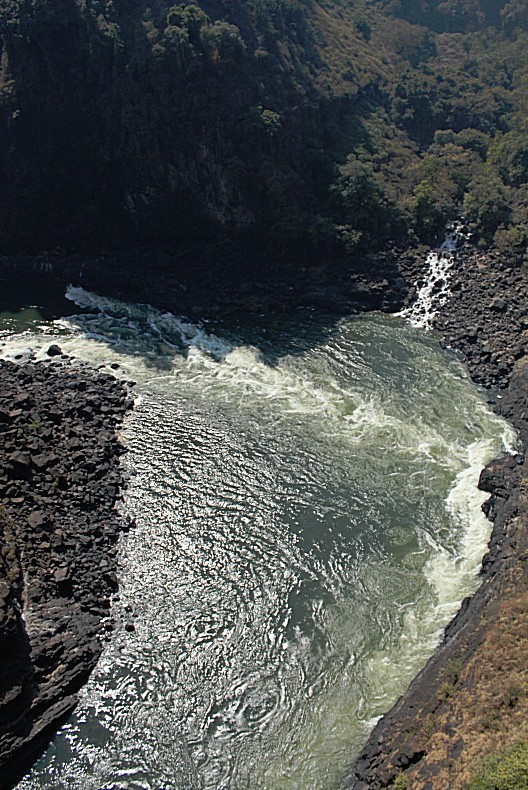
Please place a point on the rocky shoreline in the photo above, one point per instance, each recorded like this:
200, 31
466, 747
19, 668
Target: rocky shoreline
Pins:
59, 482
484, 323
470, 699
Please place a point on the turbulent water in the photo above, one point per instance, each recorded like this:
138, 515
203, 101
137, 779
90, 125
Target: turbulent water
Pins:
307, 520
434, 291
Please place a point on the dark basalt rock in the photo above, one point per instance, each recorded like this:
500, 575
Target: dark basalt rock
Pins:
490, 334
501, 475
197, 287
59, 480
488, 331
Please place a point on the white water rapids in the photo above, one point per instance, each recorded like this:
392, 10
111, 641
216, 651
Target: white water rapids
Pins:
434, 292
308, 518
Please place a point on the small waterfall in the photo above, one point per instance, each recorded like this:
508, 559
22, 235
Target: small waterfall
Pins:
435, 292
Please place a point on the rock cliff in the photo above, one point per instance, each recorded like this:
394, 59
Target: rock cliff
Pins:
469, 701
59, 481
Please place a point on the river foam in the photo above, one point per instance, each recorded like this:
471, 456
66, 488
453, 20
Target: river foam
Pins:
307, 521
434, 291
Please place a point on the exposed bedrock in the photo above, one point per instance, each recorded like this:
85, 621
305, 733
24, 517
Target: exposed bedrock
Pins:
470, 699
486, 319
59, 482
59, 527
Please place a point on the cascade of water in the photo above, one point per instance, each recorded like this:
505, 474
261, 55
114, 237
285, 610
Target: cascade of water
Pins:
434, 292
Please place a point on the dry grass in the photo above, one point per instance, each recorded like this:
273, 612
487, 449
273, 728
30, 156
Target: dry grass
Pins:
486, 709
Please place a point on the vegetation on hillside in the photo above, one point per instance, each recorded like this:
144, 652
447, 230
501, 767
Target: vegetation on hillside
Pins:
308, 127
504, 770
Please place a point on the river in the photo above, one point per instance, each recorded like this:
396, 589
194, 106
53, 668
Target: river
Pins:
307, 520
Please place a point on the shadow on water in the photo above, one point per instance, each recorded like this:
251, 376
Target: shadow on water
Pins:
281, 333
139, 330
274, 336
41, 295
158, 337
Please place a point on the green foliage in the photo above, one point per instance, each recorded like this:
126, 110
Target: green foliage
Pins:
225, 42
514, 15
412, 43
509, 154
486, 205
400, 782
364, 29
512, 243
505, 770
269, 120
454, 16
191, 17
454, 667
444, 692
367, 215
338, 126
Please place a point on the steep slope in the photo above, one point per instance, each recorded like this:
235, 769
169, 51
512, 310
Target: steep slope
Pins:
304, 129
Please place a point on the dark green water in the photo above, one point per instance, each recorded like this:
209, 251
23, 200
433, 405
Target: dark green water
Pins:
307, 521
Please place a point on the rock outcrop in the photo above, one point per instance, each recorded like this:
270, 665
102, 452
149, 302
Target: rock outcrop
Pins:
470, 700
59, 482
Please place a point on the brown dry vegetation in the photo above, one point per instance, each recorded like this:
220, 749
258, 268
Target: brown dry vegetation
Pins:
483, 699
463, 723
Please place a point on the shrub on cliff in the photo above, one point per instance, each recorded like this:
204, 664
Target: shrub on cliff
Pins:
506, 770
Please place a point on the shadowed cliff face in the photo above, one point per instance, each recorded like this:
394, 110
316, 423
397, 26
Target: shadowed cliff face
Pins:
59, 480
127, 122
300, 129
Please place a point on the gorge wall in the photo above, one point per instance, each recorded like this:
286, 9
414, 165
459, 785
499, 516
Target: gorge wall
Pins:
299, 130
160, 149
59, 481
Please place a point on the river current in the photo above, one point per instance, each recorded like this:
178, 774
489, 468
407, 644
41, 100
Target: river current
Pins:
308, 519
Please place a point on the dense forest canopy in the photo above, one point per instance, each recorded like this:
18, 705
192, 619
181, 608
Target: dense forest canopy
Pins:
310, 128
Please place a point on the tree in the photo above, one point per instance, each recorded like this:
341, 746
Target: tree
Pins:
487, 205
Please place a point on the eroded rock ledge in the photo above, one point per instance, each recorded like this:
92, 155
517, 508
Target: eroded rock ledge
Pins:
59, 481
470, 699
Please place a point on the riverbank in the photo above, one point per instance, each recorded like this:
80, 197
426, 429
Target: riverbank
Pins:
59, 482
484, 323
470, 700
186, 284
